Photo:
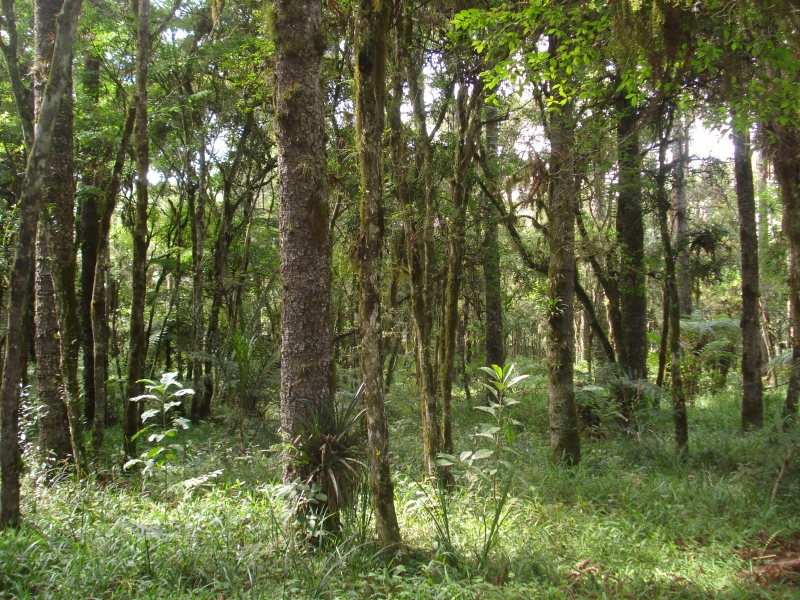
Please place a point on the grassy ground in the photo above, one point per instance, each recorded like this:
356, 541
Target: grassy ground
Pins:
632, 521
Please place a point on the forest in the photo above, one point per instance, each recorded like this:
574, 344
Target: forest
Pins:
400, 299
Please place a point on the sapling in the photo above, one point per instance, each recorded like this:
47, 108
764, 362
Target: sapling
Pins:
166, 399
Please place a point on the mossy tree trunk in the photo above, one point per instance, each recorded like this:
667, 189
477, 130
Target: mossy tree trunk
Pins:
23, 261
564, 435
493, 293
371, 37
137, 346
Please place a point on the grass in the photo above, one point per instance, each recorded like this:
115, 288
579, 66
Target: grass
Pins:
630, 521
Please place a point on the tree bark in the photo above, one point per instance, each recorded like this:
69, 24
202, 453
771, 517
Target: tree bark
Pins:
493, 293
632, 344
137, 342
306, 332
100, 327
678, 397
371, 33
752, 407
468, 117
786, 159
564, 436
680, 152
56, 207
23, 262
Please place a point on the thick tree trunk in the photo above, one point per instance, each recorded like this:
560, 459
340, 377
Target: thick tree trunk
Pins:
680, 153
752, 408
54, 438
493, 293
137, 342
371, 34
630, 236
306, 332
23, 262
99, 313
564, 437
56, 205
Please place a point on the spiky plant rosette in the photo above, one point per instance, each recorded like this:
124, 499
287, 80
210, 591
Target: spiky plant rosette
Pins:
327, 452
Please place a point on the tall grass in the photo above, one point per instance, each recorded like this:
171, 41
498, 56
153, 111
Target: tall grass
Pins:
630, 519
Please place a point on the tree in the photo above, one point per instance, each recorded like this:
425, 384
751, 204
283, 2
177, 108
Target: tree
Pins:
306, 336
370, 51
34, 175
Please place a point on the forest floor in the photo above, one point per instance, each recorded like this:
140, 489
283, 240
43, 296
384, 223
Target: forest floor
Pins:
632, 521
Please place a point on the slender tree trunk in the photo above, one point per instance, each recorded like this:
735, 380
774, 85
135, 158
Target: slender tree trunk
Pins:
415, 189
664, 345
468, 129
90, 219
371, 34
306, 332
630, 235
137, 343
786, 158
752, 408
564, 437
678, 397
23, 262
493, 293
100, 327
197, 209
680, 153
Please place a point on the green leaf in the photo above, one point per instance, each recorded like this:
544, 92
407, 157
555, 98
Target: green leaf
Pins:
149, 413
144, 397
487, 409
482, 453
130, 463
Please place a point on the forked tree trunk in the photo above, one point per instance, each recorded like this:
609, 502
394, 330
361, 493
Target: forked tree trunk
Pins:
23, 263
752, 408
564, 436
306, 331
370, 51
137, 342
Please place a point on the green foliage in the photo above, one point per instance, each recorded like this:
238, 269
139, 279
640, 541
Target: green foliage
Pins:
167, 395
326, 451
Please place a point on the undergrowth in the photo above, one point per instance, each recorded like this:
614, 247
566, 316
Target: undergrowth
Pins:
630, 521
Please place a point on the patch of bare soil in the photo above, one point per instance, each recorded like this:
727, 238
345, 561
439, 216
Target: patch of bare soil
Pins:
773, 559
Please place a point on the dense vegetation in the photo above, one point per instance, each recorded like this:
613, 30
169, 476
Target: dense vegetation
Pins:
400, 299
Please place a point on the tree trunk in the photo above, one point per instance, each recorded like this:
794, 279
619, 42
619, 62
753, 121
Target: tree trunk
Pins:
786, 158
493, 293
56, 205
306, 332
630, 236
90, 219
468, 117
678, 398
664, 345
752, 408
23, 262
371, 33
137, 342
197, 211
100, 327
564, 437
54, 438
416, 193
680, 153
